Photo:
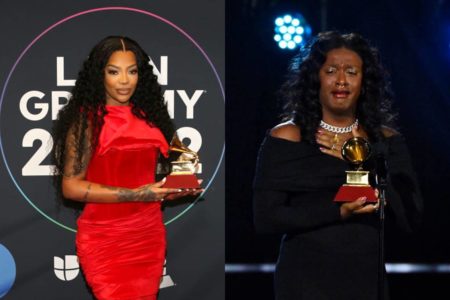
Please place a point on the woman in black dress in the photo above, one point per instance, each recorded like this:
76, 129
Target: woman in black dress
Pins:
336, 90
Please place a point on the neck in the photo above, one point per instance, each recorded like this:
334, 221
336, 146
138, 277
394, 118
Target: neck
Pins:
339, 121
339, 117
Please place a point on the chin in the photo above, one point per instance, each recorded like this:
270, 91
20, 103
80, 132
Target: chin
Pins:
342, 111
122, 100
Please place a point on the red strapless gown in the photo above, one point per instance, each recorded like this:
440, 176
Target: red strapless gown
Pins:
121, 246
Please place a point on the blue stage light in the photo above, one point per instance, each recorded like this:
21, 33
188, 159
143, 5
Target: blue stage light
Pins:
287, 19
297, 39
295, 22
287, 37
291, 31
279, 21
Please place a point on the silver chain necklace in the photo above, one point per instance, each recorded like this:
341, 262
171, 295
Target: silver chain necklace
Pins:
336, 129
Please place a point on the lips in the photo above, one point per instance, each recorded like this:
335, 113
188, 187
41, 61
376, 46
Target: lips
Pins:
123, 91
340, 94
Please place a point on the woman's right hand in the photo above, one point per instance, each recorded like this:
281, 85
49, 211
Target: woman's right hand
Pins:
358, 206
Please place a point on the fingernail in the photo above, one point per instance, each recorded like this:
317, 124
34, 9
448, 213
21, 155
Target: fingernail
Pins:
164, 179
363, 200
321, 149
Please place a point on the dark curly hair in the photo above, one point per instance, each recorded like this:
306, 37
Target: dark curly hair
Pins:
86, 107
301, 90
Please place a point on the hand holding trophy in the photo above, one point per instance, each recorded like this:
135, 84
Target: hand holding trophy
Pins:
356, 151
183, 168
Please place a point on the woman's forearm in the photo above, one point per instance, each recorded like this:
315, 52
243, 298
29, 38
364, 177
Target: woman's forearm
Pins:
86, 191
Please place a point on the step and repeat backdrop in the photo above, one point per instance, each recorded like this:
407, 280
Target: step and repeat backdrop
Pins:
43, 47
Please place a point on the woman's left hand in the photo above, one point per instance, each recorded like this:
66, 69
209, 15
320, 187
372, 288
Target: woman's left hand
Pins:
331, 143
185, 193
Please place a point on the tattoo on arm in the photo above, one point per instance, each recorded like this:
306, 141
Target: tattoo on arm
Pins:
127, 195
85, 198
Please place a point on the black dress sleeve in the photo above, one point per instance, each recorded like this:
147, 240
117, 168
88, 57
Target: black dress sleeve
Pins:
274, 214
403, 195
294, 187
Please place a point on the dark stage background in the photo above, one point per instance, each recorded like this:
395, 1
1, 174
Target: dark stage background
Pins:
414, 40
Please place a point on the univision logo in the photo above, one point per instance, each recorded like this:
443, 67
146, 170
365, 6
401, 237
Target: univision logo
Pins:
66, 269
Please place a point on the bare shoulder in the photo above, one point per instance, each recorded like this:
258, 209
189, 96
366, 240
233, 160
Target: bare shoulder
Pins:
388, 132
287, 131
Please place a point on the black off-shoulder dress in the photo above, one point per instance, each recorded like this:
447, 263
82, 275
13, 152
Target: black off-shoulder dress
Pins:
321, 256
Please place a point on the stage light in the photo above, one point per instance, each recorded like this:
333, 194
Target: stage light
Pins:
282, 29
282, 44
291, 31
287, 37
287, 19
279, 21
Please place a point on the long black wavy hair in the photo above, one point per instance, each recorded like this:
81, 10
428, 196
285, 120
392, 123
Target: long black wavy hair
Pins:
86, 107
300, 92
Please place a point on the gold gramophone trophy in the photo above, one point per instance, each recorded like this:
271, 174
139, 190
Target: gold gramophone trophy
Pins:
356, 151
183, 168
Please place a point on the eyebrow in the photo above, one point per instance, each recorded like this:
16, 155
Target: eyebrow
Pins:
339, 65
129, 67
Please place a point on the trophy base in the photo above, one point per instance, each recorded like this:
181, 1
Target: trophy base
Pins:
185, 181
349, 193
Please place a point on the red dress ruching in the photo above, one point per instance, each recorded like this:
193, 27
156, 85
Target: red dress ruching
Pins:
121, 246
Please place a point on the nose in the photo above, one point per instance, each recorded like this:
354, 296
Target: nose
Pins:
341, 79
123, 78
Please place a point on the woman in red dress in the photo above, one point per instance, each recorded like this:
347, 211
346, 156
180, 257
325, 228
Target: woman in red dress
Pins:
107, 142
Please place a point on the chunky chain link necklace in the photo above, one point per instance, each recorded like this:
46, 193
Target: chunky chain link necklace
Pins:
336, 129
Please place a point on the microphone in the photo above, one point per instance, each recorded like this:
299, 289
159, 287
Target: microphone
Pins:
381, 167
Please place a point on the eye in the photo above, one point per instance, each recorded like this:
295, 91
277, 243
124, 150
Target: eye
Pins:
112, 72
352, 71
134, 71
330, 70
